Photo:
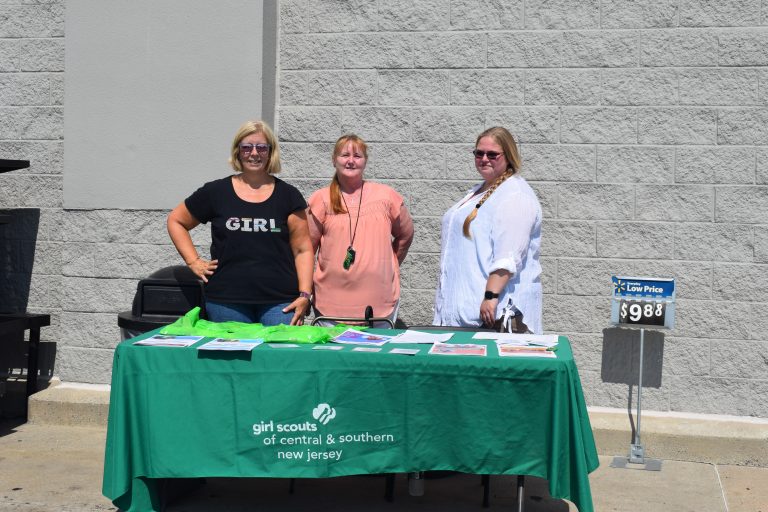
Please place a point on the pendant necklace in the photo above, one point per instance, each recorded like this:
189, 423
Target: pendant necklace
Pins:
349, 259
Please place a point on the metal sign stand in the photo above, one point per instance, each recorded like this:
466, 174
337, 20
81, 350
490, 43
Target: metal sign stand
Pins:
663, 291
636, 449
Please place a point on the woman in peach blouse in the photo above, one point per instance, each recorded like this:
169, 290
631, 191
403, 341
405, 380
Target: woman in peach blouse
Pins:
361, 232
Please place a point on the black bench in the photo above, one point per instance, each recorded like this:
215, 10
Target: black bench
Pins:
19, 322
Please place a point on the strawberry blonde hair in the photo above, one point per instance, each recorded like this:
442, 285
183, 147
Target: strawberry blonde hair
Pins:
335, 189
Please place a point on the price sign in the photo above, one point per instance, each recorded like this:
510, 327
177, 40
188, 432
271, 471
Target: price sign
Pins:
643, 301
642, 312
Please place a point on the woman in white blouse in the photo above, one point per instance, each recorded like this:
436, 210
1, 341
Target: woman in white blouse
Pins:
490, 243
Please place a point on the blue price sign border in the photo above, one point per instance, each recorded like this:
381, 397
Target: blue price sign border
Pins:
647, 290
646, 287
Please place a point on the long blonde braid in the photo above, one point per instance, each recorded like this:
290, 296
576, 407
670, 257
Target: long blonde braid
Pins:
473, 213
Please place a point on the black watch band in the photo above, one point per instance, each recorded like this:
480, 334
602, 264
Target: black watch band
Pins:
490, 295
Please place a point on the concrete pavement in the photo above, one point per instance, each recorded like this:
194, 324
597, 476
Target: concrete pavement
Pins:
47, 467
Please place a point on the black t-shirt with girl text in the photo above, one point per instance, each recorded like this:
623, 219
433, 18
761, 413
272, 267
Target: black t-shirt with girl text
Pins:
251, 242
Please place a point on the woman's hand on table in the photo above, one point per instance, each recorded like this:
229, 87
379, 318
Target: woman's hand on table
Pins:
300, 308
203, 268
488, 312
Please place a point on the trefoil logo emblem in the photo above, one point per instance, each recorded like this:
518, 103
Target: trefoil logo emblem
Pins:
323, 413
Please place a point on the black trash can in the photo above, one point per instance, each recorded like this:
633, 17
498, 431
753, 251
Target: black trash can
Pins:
161, 299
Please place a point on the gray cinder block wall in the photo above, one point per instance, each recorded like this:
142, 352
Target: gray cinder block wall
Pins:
643, 127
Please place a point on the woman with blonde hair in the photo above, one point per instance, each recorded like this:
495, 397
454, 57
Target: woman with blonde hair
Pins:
361, 231
490, 243
261, 266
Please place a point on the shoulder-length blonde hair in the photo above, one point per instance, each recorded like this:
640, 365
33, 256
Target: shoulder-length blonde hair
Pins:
503, 138
251, 127
335, 190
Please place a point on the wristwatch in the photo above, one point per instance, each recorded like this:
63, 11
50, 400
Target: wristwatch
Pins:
489, 295
306, 295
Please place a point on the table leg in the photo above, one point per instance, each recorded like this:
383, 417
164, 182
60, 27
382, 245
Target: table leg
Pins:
520, 492
32, 356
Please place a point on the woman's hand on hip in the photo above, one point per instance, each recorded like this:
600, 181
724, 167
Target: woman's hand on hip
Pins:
203, 268
488, 312
300, 308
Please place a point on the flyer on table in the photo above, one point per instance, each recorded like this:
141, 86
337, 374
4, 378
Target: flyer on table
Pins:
161, 340
355, 337
458, 349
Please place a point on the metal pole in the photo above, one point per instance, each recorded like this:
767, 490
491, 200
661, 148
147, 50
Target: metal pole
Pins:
636, 453
640, 386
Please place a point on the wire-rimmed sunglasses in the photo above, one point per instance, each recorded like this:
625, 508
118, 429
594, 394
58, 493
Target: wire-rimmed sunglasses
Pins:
246, 149
492, 155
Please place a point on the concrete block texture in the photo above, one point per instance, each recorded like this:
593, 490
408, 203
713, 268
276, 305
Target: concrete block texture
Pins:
635, 164
639, 14
677, 125
407, 15
37, 55
487, 87
715, 242
486, 14
713, 164
341, 15
711, 13
9, 55
562, 14
379, 51
747, 205
743, 126
721, 86
559, 162
598, 125
642, 125
639, 86
672, 48
684, 203
453, 50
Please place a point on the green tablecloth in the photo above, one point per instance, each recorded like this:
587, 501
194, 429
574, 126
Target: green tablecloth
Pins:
299, 412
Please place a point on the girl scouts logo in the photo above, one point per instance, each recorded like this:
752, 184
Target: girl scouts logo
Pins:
323, 413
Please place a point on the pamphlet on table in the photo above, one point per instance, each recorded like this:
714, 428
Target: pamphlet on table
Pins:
410, 336
161, 340
404, 351
355, 337
458, 349
515, 350
231, 344
541, 340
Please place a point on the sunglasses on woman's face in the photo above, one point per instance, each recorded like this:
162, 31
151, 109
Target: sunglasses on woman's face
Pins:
246, 149
492, 155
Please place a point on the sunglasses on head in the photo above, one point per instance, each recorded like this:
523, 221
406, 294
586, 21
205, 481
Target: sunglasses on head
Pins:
492, 155
259, 148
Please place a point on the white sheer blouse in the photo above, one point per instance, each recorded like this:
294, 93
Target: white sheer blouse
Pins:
506, 234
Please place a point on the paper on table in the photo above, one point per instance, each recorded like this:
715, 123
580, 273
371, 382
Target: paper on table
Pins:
544, 340
160, 340
458, 349
231, 344
514, 350
410, 336
405, 351
356, 337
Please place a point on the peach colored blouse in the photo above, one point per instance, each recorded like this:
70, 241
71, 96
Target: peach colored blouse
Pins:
374, 278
